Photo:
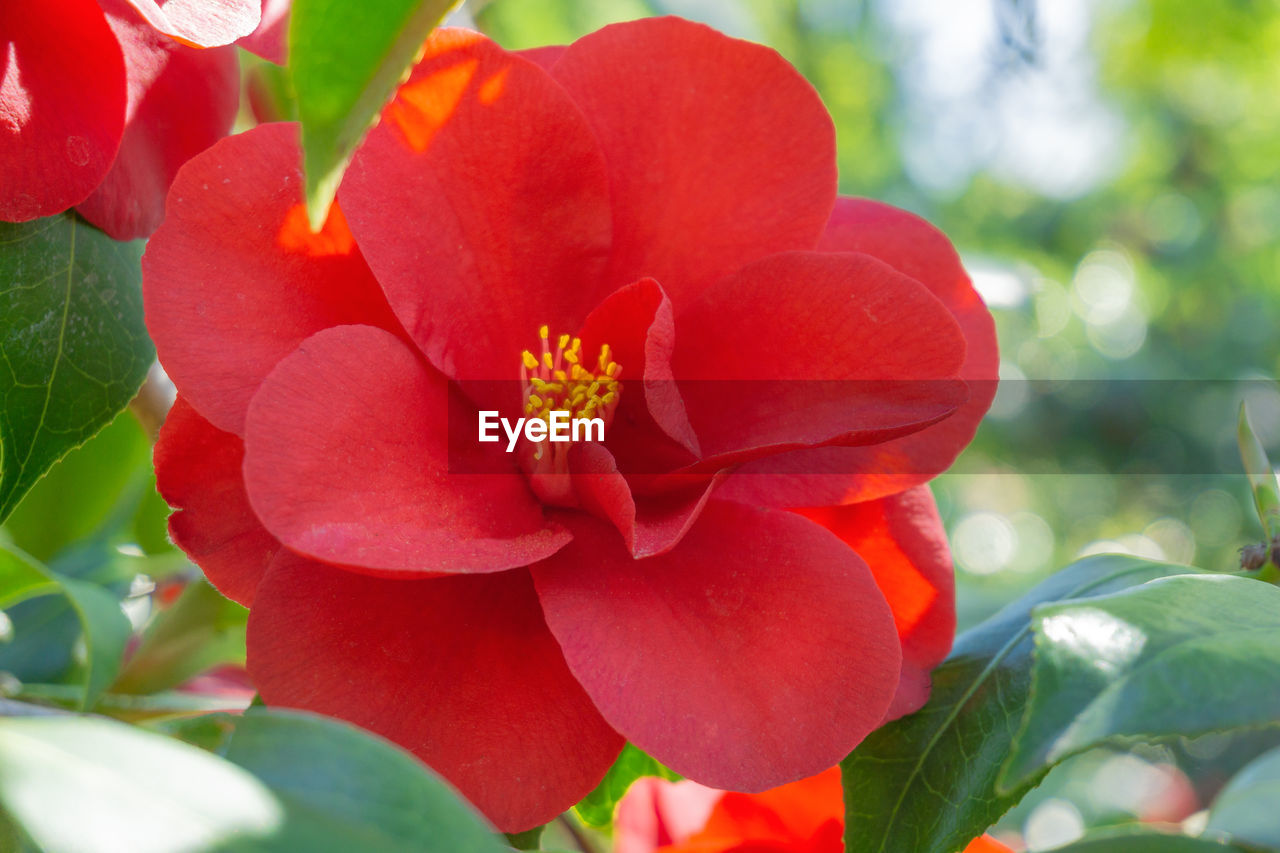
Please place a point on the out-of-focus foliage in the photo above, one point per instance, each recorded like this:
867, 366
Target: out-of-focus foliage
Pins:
277, 781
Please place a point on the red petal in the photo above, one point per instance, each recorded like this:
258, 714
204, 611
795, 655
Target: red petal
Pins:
905, 545
234, 279
181, 101
917, 249
756, 652
198, 473
544, 57
790, 816
649, 524
483, 178
804, 348
347, 459
638, 324
201, 23
986, 844
462, 671
719, 152
62, 105
269, 39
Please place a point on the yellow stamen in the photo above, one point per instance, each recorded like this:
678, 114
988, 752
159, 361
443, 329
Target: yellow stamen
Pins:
581, 392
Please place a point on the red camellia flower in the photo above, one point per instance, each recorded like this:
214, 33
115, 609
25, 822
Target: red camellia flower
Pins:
102, 100
804, 817
641, 227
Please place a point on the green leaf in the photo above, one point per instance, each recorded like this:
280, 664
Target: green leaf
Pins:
1176, 656
104, 627
346, 60
1137, 839
927, 783
596, 808
81, 494
530, 839
85, 785
342, 788
48, 629
200, 630
1246, 808
1262, 477
73, 344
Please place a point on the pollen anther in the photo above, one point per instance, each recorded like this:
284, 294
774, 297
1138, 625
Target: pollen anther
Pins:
580, 392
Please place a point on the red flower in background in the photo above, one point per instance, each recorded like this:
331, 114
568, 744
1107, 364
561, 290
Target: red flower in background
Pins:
641, 226
102, 100
683, 817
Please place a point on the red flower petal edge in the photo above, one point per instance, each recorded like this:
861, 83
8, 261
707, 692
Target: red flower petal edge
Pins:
461, 671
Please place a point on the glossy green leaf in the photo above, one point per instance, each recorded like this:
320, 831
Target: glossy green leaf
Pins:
346, 60
103, 625
73, 344
1246, 808
83, 785
927, 783
597, 808
1177, 656
200, 630
341, 788
1137, 839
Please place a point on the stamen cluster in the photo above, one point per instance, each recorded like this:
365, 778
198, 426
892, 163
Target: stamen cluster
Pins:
559, 380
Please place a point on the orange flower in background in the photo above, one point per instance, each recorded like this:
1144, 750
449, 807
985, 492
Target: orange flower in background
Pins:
683, 817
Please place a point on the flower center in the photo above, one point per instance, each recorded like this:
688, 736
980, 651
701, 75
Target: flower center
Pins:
559, 379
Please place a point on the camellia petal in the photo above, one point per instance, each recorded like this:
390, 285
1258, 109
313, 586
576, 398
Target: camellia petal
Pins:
756, 652
719, 152
483, 178
347, 458
655, 812
62, 105
201, 23
462, 671
805, 815
806, 348
234, 279
638, 323
649, 524
269, 39
544, 57
181, 101
198, 473
905, 545
917, 249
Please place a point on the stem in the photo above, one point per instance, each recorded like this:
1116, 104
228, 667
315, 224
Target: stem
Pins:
579, 837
